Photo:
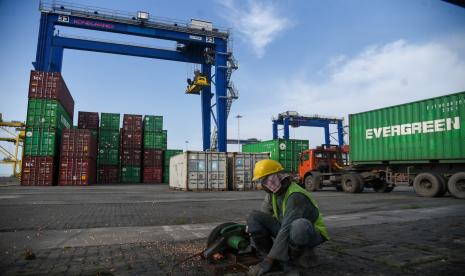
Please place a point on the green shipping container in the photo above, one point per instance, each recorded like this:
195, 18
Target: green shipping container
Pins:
109, 121
108, 156
166, 163
153, 123
108, 138
431, 130
42, 141
155, 139
47, 114
130, 174
286, 152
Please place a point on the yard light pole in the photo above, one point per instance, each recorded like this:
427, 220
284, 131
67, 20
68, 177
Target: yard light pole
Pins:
187, 145
238, 133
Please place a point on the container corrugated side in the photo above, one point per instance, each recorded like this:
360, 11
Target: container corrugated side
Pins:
156, 139
38, 171
217, 171
108, 138
131, 174
47, 114
79, 143
153, 123
51, 85
166, 163
77, 171
42, 141
286, 152
430, 130
107, 174
108, 156
88, 120
198, 171
109, 121
240, 169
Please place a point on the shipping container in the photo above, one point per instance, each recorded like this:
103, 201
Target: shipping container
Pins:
197, 171
419, 144
88, 120
77, 171
38, 171
50, 85
431, 130
108, 138
131, 139
132, 122
109, 121
156, 139
108, 174
130, 174
131, 157
240, 170
153, 158
78, 143
153, 123
47, 114
152, 175
166, 163
286, 152
42, 141
108, 156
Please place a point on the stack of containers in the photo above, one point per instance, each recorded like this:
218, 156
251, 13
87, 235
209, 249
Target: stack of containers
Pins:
50, 110
155, 142
166, 164
108, 149
78, 157
131, 149
285, 151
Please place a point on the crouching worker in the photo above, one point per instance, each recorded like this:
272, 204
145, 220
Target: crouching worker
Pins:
289, 226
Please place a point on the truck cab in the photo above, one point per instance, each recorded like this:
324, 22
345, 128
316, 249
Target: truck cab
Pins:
322, 166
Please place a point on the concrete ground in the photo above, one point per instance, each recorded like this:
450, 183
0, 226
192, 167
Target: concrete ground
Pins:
147, 229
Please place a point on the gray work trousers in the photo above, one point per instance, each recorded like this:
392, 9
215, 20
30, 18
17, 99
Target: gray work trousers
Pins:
302, 233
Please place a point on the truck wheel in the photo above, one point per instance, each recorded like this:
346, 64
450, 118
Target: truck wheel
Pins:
427, 184
312, 183
350, 183
456, 185
339, 187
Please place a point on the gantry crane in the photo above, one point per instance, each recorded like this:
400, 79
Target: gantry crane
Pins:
197, 42
294, 119
12, 132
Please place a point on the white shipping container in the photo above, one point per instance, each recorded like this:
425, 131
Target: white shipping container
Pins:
240, 169
198, 171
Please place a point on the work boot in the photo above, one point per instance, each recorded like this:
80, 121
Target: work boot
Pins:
290, 269
304, 257
308, 259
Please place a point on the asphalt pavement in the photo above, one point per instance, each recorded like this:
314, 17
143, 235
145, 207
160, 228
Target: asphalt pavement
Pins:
146, 229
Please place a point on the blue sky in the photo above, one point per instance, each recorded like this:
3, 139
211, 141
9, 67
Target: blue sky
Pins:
316, 57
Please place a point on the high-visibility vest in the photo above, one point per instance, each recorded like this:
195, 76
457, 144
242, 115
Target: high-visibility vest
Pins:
295, 188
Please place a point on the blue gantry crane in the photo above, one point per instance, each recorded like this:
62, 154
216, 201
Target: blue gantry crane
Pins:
197, 42
294, 119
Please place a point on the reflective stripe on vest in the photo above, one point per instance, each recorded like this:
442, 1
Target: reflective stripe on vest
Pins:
295, 188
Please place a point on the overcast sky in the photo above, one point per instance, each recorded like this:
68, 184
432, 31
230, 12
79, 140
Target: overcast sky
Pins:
315, 57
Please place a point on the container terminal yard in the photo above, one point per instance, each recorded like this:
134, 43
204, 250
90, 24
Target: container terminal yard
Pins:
367, 148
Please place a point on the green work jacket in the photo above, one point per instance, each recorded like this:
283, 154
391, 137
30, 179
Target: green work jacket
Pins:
295, 188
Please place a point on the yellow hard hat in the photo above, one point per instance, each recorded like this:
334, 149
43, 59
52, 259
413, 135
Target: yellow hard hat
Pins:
266, 167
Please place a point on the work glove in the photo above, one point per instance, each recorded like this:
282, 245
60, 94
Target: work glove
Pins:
261, 268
